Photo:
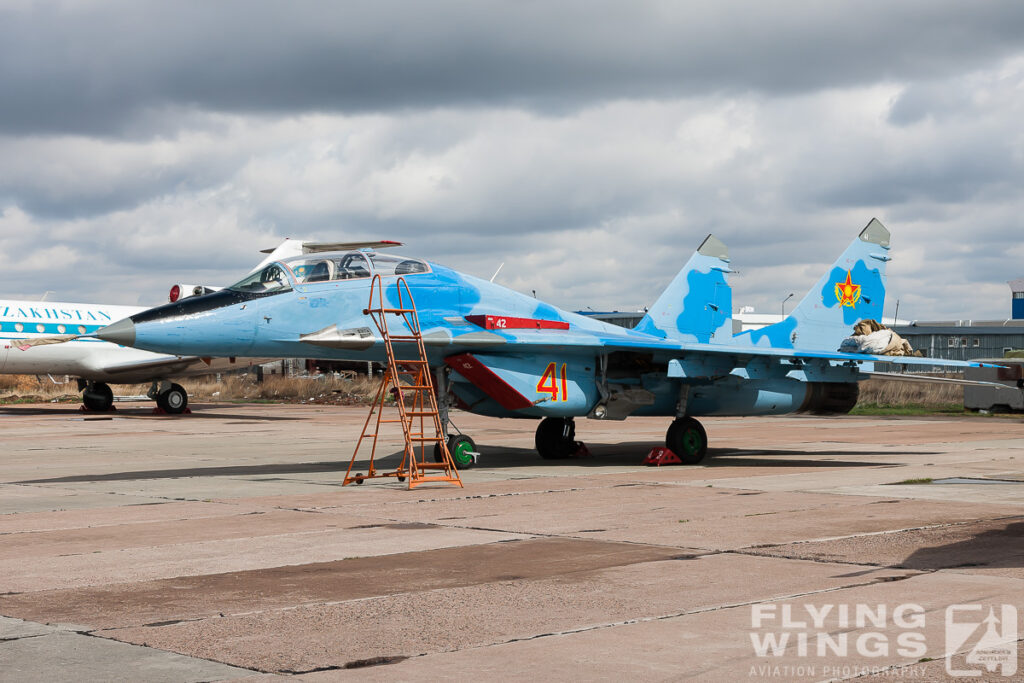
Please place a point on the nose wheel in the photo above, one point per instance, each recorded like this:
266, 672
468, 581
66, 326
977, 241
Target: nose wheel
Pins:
688, 440
462, 449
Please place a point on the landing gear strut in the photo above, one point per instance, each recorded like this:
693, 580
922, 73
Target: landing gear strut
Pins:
461, 447
687, 439
97, 397
556, 438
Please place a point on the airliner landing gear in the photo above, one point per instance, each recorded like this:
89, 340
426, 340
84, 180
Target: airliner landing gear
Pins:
170, 398
687, 439
174, 400
556, 438
97, 397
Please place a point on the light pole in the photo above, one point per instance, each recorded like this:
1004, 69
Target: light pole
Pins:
784, 304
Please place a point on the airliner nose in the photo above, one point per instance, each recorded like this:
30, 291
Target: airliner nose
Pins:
121, 332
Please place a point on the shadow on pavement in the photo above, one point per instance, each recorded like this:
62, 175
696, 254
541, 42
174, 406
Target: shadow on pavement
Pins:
994, 548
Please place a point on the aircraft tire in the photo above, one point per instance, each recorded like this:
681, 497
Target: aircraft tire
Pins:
458, 445
98, 397
688, 440
174, 400
555, 438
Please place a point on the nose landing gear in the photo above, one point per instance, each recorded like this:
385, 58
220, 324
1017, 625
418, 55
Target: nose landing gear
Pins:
462, 449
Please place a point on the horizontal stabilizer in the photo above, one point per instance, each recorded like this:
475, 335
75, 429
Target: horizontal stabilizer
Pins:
924, 379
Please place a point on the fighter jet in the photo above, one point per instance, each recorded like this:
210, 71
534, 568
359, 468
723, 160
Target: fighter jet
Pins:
497, 352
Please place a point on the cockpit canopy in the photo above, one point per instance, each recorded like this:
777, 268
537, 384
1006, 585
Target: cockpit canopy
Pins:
329, 267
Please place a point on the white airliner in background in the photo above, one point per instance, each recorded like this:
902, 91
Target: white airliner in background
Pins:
96, 364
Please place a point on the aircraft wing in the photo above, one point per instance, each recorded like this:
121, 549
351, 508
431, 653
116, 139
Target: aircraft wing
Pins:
170, 366
471, 338
738, 355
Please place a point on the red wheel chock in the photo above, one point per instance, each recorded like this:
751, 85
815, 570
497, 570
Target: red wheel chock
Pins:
580, 451
160, 411
661, 456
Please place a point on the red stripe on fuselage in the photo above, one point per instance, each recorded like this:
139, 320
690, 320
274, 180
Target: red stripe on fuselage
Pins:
483, 378
504, 322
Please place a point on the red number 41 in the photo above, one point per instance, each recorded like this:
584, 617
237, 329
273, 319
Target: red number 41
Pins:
548, 383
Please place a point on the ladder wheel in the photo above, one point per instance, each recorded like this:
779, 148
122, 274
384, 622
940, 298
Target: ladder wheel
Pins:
460, 446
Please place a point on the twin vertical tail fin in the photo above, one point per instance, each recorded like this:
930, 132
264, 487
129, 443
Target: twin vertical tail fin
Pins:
853, 289
697, 306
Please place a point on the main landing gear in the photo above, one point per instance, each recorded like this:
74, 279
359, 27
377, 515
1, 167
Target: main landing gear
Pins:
174, 401
170, 398
687, 439
556, 438
97, 397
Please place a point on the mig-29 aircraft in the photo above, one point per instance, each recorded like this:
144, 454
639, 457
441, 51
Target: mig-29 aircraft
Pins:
497, 352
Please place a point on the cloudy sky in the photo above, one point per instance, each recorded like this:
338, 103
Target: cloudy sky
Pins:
588, 145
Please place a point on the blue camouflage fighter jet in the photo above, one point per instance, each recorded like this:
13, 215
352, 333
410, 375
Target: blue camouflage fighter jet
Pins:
497, 352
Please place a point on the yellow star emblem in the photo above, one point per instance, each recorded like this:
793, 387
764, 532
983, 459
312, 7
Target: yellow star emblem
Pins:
847, 293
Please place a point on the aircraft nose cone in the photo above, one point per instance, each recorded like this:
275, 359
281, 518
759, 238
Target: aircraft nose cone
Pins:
121, 332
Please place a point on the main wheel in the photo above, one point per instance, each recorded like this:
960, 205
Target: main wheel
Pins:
687, 439
98, 397
174, 400
556, 438
461, 448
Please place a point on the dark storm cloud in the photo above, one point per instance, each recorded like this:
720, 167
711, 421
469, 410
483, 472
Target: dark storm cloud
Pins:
111, 68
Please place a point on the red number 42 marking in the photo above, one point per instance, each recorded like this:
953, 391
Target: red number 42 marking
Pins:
548, 383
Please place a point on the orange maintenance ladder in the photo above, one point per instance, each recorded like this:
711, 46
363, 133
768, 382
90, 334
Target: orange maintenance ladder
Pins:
421, 423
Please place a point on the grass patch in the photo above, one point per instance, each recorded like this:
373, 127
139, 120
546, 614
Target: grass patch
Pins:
910, 409
921, 480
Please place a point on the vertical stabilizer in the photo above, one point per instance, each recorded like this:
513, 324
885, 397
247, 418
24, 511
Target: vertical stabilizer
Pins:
853, 289
697, 306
